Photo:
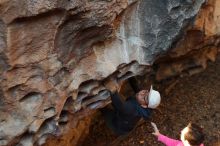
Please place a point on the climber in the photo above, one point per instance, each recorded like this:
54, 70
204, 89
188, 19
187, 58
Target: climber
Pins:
125, 115
191, 135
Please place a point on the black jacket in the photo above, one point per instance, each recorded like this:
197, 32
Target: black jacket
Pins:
127, 113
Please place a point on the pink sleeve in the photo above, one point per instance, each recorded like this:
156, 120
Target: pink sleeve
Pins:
168, 141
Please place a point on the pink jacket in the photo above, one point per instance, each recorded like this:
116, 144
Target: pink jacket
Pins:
170, 142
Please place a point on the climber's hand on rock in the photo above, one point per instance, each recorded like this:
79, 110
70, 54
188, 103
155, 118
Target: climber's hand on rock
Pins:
111, 85
156, 131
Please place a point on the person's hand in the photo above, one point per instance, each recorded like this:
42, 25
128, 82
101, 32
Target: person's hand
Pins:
156, 131
111, 85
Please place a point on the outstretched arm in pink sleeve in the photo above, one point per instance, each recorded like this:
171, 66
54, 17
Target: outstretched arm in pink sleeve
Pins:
168, 141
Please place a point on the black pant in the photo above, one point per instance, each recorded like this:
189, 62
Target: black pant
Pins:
109, 115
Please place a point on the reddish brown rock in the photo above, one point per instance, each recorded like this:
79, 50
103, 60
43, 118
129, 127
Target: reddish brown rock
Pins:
58, 57
199, 45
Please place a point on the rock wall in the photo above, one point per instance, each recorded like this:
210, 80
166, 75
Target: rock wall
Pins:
58, 57
199, 44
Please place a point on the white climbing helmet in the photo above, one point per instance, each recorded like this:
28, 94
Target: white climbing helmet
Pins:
153, 98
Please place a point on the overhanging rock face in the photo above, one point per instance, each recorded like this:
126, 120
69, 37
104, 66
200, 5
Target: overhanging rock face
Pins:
57, 57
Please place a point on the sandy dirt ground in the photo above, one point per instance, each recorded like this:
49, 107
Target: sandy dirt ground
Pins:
195, 98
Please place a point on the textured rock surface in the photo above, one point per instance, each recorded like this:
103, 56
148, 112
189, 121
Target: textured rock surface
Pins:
199, 45
57, 57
